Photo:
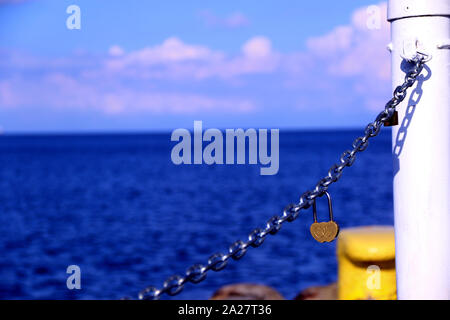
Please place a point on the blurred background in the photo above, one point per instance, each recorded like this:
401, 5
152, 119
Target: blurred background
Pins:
90, 92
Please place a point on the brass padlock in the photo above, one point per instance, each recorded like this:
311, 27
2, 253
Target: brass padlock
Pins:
392, 121
324, 231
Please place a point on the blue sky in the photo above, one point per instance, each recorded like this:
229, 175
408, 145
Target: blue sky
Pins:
160, 65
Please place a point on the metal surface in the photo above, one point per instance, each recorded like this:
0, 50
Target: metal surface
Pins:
197, 273
398, 9
393, 121
421, 154
324, 231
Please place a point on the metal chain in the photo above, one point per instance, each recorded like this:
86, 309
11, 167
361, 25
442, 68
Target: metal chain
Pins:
218, 261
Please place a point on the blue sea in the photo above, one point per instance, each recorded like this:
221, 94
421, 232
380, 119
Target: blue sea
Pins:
116, 206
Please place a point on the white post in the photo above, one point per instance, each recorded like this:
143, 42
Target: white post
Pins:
421, 150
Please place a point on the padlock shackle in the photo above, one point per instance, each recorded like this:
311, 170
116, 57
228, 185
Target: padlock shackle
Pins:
330, 207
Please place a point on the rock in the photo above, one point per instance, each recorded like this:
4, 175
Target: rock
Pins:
328, 292
246, 291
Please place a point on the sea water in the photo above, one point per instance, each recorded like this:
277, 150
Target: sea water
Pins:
117, 206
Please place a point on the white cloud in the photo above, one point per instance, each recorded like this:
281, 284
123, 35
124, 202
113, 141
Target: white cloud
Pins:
355, 49
357, 52
57, 90
257, 47
116, 51
174, 59
130, 81
172, 51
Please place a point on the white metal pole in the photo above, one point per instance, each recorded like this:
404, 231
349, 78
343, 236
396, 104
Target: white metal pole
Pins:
421, 150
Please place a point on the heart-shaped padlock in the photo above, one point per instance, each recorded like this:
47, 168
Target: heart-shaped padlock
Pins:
324, 231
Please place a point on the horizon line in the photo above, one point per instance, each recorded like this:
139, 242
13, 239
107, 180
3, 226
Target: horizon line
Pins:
158, 131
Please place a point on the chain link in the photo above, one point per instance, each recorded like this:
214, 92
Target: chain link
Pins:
218, 261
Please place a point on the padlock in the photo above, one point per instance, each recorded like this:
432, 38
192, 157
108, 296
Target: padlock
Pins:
324, 231
392, 121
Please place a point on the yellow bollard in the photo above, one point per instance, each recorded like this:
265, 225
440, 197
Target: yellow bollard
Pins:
366, 263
